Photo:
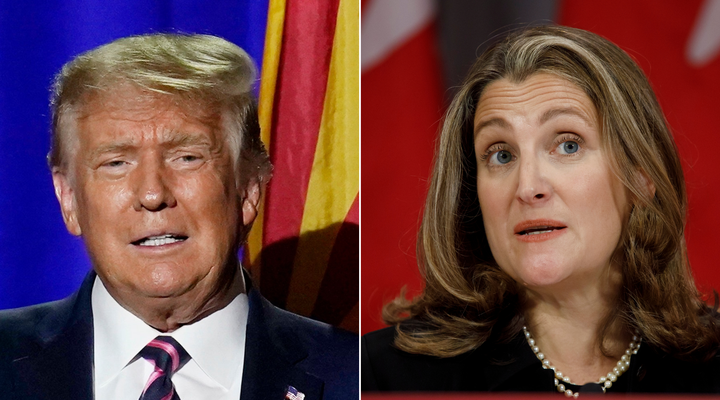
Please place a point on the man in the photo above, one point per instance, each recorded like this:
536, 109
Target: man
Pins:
157, 164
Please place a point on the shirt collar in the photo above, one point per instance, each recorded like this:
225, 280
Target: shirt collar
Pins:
218, 341
214, 342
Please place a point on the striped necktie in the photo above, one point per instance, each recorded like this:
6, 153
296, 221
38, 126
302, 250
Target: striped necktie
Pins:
167, 356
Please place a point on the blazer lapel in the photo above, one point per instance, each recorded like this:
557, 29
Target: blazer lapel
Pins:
60, 367
273, 355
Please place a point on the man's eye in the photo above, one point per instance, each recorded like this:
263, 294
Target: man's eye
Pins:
501, 157
114, 163
189, 158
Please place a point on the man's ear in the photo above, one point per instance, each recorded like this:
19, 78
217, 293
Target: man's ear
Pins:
251, 200
66, 197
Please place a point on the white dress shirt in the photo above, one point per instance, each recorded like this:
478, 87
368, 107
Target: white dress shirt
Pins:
216, 344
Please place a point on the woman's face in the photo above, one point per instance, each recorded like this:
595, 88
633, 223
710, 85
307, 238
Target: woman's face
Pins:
553, 210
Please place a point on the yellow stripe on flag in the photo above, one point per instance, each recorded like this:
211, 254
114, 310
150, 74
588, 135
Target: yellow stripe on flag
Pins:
334, 181
268, 80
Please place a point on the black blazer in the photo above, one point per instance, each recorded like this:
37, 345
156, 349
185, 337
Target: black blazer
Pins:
513, 367
46, 352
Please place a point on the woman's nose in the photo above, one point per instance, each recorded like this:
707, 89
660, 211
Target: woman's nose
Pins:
533, 185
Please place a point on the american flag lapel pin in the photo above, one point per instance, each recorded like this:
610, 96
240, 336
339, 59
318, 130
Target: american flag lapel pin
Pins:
294, 394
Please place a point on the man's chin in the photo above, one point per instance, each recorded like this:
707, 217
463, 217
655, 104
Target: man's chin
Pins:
151, 291
163, 290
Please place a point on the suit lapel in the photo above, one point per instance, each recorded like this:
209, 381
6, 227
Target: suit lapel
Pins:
60, 367
273, 355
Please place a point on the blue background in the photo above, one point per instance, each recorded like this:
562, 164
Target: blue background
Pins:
39, 260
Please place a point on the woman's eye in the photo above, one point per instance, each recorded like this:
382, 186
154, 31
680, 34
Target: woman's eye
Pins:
501, 157
569, 147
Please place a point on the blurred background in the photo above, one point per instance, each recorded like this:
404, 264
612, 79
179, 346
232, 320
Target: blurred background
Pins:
415, 52
303, 252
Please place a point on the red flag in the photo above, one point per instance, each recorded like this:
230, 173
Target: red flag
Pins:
304, 246
677, 45
401, 108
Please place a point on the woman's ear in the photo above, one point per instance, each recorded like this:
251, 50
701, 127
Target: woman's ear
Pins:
645, 184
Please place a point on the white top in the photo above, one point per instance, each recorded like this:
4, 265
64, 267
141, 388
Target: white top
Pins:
216, 344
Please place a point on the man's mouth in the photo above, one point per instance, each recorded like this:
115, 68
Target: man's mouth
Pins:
160, 240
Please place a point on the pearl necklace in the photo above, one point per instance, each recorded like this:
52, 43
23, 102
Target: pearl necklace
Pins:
605, 381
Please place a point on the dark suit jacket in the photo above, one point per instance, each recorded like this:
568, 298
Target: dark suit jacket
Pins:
503, 367
46, 352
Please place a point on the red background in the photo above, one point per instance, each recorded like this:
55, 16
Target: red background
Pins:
399, 124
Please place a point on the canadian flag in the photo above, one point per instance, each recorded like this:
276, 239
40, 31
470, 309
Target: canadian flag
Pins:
401, 108
677, 44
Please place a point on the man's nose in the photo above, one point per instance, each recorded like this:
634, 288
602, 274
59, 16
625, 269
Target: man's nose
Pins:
534, 187
151, 186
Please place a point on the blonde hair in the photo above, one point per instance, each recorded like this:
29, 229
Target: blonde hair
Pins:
467, 297
189, 69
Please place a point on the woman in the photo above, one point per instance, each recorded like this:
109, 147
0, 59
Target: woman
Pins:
552, 239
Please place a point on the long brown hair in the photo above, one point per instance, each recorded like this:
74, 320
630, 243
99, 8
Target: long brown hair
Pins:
467, 297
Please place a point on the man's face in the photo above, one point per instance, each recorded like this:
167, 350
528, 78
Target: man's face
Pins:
152, 191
